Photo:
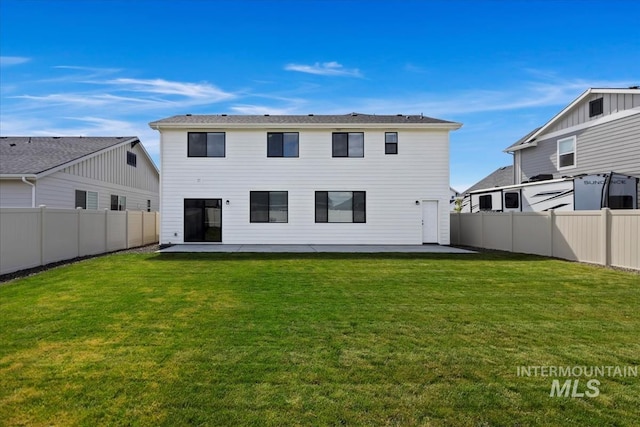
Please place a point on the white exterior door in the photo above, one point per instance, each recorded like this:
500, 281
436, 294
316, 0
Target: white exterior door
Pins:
429, 221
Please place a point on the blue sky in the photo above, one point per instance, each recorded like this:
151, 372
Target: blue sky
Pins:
72, 67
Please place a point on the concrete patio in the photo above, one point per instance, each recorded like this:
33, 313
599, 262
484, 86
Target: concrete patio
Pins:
315, 248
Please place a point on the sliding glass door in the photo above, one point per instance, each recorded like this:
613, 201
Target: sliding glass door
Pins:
203, 220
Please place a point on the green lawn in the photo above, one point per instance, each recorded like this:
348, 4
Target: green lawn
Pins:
315, 339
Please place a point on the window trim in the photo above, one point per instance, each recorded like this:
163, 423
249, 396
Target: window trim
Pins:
388, 144
268, 221
283, 134
326, 207
596, 107
574, 151
224, 145
346, 133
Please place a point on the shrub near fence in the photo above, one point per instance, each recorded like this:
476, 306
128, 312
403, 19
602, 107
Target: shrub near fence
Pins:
606, 237
31, 237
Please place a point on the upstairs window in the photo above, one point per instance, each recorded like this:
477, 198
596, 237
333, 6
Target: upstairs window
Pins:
391, 143
282, 144
567, 152
348, 144
206, 144
596, 107
341, 206
131, 159
269, 206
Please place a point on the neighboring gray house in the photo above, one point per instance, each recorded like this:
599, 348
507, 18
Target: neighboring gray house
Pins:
598, 132
69, 172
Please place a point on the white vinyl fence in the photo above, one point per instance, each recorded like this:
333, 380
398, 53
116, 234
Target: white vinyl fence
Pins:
31, 237
606, 237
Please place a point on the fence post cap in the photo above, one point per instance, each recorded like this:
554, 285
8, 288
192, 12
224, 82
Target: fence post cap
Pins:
42, 206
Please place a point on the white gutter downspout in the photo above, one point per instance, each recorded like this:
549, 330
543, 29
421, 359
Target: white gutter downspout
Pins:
33, 191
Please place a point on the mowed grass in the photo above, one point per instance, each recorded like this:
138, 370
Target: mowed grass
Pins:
315, 339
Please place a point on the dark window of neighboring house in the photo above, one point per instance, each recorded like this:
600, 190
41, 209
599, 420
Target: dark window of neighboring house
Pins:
131, 159
596, 107
511, 200
148, 205
348, 144
86, 199
282, 144
341, 206
118, 203
391, 143
485, 203
206, 144
81, 199
268, 206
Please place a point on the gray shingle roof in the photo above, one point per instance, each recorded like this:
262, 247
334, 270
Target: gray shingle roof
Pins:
498, 178
522, 141
34, 155
296, 119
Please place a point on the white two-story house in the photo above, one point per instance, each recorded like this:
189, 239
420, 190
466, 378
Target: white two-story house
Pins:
304, 179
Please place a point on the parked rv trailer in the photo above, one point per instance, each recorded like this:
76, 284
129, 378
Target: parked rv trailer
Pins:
587, 192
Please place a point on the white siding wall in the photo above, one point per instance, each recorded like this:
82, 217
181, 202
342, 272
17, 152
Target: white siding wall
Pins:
393, 183
14, 194
58, 191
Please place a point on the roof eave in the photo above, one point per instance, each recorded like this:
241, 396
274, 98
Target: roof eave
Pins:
520, 147
412, 125
18, 175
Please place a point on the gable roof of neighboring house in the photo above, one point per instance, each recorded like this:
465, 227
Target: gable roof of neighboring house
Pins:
530, 140
37, 156
191, 120
498, 178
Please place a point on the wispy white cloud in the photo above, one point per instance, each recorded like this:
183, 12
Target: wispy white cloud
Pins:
261, 109
129, 95
165, 87
532, 94
6, 61
324, 69
90, 69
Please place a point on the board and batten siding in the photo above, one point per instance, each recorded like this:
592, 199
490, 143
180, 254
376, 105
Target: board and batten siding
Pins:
393, 184
611, 103
14, 194
111, 167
